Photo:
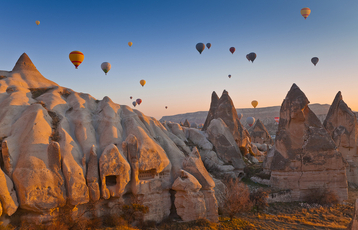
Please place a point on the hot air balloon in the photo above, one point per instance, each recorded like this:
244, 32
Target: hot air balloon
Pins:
250, 121
251, 56
37, 22
232, 50
254, 103
240, 115
106, 66
305, 12
208, 45
229, 75
134, 103
247, 57
139, 101
76, 58
277, 119
314, 60
130, 44
142, 82
130, 97
200, 47
166, 107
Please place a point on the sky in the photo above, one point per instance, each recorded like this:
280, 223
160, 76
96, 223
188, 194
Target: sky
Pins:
164, 35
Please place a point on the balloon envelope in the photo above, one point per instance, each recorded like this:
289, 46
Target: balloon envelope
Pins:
247, 57
229, 76
250, 121
139, 101
277, 119
200, 47
305, 12
37, 22
166, 107
232, 50
251, 56
314, 60
240, 115
254, 103
76, 58
142, 82
208, 45
106, 66
134, 103
130, 97
130, 44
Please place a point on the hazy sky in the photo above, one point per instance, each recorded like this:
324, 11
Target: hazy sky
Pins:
164, 34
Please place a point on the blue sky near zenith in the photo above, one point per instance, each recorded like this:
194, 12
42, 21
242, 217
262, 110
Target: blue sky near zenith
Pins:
164, 34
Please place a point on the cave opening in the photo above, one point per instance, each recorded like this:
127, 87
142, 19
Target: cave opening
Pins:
111, 180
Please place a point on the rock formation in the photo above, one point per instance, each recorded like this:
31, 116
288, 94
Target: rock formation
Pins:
62, 147
341, 123
224, 108
259, 134
305, 157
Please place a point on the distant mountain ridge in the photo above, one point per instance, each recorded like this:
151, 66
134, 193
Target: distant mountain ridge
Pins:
264, 113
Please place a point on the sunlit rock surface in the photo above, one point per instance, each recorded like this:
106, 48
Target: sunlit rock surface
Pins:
306, 157
341, 123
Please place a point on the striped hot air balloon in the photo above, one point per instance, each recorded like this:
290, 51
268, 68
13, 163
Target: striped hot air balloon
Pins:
305, 12
277, 119
76, 58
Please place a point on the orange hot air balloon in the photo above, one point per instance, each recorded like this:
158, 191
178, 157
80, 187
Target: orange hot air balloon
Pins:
37, 22
254, 103
76, 58
277, 119
130, 44
142, 82
305, 12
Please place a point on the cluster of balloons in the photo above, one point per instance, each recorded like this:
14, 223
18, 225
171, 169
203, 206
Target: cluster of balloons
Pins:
200, 47
251, 57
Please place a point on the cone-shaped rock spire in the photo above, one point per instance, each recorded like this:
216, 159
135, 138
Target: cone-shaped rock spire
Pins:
24, 63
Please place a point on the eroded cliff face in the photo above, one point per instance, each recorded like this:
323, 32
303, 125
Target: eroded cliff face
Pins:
60, 147
341, 123
305, 156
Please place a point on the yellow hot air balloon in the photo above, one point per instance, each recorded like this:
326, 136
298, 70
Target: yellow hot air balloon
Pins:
305, 12
142, 82
37, 22
130, 44
76, 58
254, 103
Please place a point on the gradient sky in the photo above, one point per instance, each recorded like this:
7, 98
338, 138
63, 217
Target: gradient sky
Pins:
164, 34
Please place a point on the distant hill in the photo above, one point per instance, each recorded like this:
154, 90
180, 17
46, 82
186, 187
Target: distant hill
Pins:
265, 114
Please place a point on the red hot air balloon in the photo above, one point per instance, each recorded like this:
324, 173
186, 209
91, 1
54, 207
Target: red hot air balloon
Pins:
139, 101
166, 107
130, 97
277, 119
232, 50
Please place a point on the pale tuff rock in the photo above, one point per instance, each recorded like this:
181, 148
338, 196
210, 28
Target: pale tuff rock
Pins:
259, 134
92, 176
114, 172
177, 130
341, 123
7, 195
189, 201
6, 157
198, 138
194, 165
225, 145
213, 106
305, 157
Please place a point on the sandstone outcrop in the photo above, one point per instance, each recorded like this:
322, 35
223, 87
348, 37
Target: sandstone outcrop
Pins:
189, 201
259, 134
353, 225
92, 176
341, 123
305, 157
224, 108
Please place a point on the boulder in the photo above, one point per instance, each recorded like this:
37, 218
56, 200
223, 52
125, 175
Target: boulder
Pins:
189, 201
226, 148
341, 123
305, 157
7, 195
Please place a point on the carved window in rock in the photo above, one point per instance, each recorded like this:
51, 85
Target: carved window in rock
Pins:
111, 180
147, 175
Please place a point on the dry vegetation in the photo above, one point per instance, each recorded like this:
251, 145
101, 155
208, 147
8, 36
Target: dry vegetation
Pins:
36, 92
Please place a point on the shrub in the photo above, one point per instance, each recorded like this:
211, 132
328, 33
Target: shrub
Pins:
322, 196
258, 198
236, 198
